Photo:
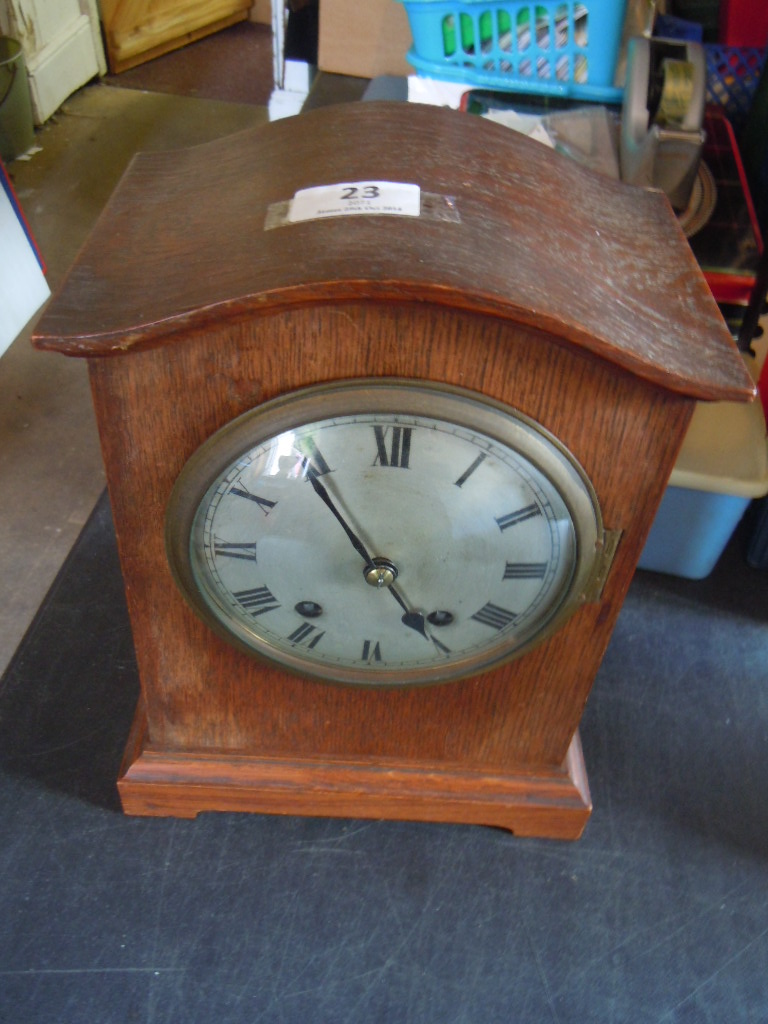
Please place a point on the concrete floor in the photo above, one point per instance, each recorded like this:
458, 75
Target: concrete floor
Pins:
50, 464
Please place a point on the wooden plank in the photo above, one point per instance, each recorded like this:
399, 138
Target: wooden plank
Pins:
139, 30
553, 803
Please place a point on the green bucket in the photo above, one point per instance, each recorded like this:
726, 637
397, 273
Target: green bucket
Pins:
17, 133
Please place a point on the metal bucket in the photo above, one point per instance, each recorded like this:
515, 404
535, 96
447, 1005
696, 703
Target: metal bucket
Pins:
17, 132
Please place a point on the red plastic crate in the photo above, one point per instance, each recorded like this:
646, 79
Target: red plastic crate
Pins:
743, 23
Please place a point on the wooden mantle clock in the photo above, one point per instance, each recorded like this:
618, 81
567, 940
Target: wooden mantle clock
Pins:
388, 397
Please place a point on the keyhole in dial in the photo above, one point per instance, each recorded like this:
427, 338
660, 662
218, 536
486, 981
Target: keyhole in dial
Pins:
440, 618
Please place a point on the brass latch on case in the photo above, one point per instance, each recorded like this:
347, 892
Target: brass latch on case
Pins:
606, 549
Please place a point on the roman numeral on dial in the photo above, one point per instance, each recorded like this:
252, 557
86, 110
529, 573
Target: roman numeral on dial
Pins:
393, 446
494, 616
371, 651
264, 504
470, 470
257, 600
525, 570
235, 549
519, 516
303, 633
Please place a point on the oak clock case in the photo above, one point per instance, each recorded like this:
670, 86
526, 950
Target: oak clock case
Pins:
473, 419
384, 533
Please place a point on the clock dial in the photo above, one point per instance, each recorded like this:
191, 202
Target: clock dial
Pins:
387, 533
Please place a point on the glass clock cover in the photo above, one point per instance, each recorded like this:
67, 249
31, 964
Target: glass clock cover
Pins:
383, 532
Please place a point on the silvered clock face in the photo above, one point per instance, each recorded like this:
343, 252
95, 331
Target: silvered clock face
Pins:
383, 533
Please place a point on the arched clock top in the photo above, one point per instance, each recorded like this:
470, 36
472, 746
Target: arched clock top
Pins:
534, 239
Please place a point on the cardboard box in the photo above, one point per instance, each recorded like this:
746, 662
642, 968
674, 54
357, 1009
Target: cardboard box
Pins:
364, 40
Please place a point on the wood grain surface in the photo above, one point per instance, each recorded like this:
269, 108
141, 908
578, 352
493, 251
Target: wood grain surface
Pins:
540, 241
155, 407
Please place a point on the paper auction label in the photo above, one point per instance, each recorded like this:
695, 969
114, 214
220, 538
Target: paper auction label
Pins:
356, 198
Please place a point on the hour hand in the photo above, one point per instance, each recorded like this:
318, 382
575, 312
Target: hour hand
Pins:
416, 621
382, 573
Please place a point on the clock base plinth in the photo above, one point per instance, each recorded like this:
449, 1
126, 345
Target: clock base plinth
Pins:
551, 803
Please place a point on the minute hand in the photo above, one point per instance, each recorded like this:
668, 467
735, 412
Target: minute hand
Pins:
325, 497
414, 620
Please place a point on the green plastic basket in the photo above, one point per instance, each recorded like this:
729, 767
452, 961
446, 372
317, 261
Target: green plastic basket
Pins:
555, 47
